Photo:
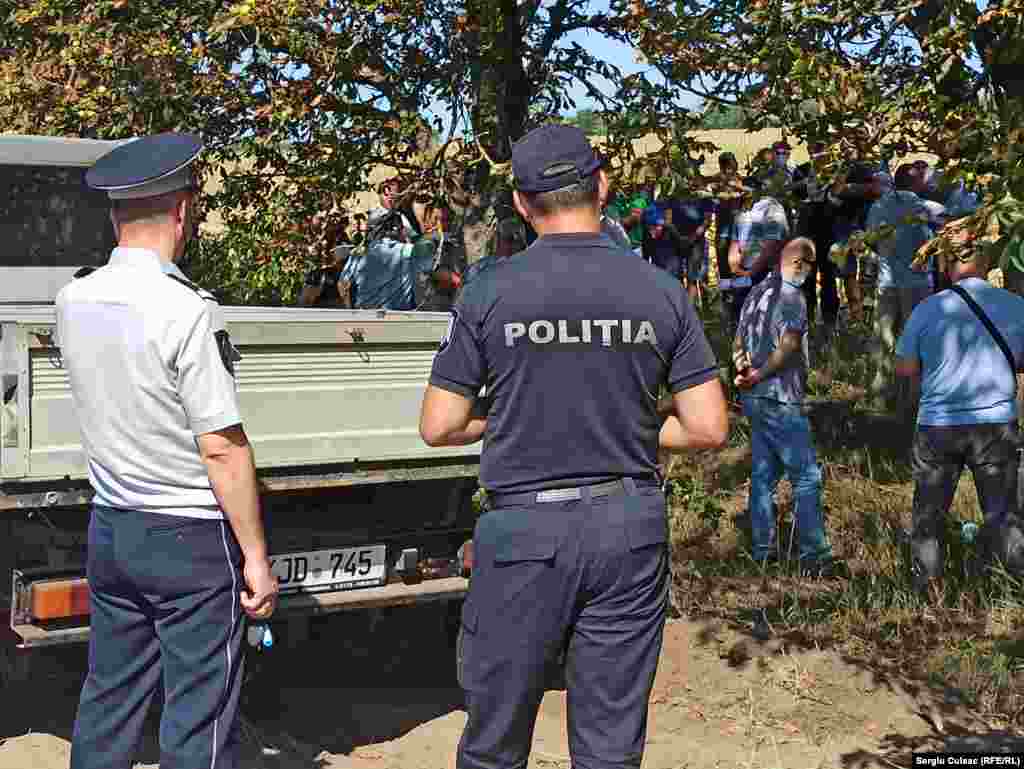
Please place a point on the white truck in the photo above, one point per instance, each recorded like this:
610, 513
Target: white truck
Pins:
360, 513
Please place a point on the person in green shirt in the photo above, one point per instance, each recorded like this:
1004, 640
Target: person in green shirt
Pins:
628, 210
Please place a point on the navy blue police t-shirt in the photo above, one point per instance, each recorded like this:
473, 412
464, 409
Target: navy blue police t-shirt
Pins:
572, 343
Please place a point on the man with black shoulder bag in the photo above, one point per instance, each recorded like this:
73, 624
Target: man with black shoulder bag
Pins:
965, 345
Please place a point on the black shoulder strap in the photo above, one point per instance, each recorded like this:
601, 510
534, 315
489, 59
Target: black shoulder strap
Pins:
959, 291
203, 293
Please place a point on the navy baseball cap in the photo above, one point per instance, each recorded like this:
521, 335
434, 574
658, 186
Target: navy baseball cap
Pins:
146, 167
552, 157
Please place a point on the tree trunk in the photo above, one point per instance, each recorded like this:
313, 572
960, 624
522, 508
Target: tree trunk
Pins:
513, 89
509, 87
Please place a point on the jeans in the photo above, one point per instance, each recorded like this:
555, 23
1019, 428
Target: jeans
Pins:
891, 314
938, 457
781, 442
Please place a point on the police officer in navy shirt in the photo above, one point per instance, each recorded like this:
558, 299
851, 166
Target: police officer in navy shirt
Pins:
570, 342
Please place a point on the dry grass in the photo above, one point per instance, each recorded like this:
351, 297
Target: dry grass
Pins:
965, 639
743, 144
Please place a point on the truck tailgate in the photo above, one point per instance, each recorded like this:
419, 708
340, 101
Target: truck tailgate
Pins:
316, 387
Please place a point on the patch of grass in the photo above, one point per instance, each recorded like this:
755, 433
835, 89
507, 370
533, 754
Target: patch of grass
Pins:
984, 673
962, 637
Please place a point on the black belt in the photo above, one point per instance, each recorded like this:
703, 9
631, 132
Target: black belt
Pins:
570, 493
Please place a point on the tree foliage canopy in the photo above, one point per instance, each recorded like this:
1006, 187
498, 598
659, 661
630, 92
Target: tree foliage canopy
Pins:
870, 78
311, 95
298, 100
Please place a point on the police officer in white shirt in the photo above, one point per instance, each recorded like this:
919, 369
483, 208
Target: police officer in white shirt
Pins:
177, 551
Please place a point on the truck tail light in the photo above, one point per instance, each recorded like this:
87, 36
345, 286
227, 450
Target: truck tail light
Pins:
59, 599
466, 557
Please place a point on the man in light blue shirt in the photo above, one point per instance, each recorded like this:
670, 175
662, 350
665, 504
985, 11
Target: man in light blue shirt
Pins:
757, 235
771, 355
900, 288
385, 274
967, 415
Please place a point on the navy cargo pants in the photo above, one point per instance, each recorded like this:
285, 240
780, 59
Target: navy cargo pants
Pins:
589, 577
165, 605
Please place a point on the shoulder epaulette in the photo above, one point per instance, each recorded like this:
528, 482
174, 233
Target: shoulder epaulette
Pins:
189, 284
186, 283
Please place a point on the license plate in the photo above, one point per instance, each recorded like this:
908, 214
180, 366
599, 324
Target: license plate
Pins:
336, 569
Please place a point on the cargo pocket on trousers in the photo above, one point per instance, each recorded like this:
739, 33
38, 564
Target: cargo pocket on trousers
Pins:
647, 532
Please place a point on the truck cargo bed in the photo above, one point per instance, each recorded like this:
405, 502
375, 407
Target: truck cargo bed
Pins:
317, 387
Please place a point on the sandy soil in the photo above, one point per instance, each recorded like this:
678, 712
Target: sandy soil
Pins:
385, 697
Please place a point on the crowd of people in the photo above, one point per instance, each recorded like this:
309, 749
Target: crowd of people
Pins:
551, 358
945, 344
395, 257
800, 253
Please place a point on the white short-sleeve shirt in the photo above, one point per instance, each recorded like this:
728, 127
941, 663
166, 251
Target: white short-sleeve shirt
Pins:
149, 365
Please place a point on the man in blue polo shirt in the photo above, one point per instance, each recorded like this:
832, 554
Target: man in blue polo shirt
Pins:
967, 414
572, 342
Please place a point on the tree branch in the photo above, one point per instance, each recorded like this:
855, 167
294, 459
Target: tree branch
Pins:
991, 42
557, 16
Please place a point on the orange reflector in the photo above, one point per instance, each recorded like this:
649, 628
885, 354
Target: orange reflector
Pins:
59, 599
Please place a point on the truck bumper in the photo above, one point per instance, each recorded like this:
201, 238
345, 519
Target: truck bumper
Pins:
289, 605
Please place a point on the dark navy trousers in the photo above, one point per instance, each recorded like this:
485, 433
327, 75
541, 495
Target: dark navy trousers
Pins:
588, 577
165, 608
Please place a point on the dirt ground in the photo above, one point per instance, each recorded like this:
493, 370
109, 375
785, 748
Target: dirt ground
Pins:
385, 697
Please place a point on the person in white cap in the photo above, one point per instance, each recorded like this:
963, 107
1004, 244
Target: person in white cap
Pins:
177, 550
